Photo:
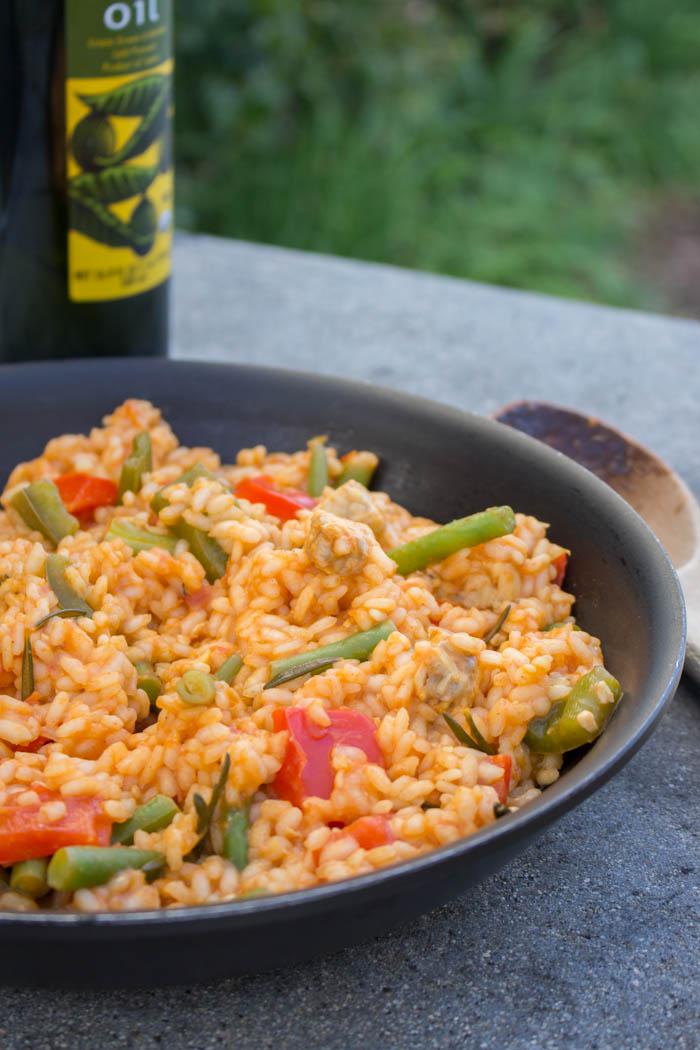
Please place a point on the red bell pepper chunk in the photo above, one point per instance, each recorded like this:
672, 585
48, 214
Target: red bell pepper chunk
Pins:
560, 563
370, 832
283, 503
200, 598
83, 493
34, 745
306, 769
26, 834
502, 786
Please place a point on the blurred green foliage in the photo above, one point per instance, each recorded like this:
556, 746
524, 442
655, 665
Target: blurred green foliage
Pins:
514, 141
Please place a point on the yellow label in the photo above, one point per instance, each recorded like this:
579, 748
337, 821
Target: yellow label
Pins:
120, 182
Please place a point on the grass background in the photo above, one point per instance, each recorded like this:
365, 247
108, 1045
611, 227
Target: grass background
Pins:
533, 143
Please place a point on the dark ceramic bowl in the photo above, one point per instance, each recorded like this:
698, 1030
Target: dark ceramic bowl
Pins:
441, 463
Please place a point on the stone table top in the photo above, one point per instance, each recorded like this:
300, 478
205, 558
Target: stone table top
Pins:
591, 937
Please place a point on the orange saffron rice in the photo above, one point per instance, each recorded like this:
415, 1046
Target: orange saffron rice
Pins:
86, 731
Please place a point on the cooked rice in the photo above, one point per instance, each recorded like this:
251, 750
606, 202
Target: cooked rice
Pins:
284, 592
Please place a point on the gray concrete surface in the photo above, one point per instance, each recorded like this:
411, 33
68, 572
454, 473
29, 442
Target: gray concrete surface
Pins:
591, 938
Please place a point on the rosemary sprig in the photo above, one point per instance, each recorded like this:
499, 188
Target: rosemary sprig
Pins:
27, 677
206, 810
63, 614
498, 624
475, 740
311, 666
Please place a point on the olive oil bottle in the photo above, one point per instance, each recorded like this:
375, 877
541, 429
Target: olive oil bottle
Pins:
86, 177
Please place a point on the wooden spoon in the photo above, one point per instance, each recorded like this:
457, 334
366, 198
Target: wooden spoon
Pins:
640, 477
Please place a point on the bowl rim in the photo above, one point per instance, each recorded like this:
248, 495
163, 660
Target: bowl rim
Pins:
577, 783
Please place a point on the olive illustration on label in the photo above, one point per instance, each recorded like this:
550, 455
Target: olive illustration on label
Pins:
130, 100
107, 177
144, 223
114, 184
100, 224
93, 137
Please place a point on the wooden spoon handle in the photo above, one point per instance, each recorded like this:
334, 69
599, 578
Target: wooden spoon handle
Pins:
690, 581
689, 575
692, 662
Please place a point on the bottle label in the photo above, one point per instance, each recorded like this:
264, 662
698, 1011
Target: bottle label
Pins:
119, 164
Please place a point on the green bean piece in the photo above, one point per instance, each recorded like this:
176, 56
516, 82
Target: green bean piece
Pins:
139, 538
473, 738
137, 463
27, 674
210, 554
29, 878
579, 717
153, 815
490, 635
236, 837
229, 669
160, 500
148, 680
69, 601
358, 646
455, 536
76, 867
196, 688
318, 469
358, 466
41, 507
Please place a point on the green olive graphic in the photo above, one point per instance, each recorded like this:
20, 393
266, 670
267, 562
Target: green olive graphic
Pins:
100, 224
114, 184
144, 223
133, 99
147, 132
93, 137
